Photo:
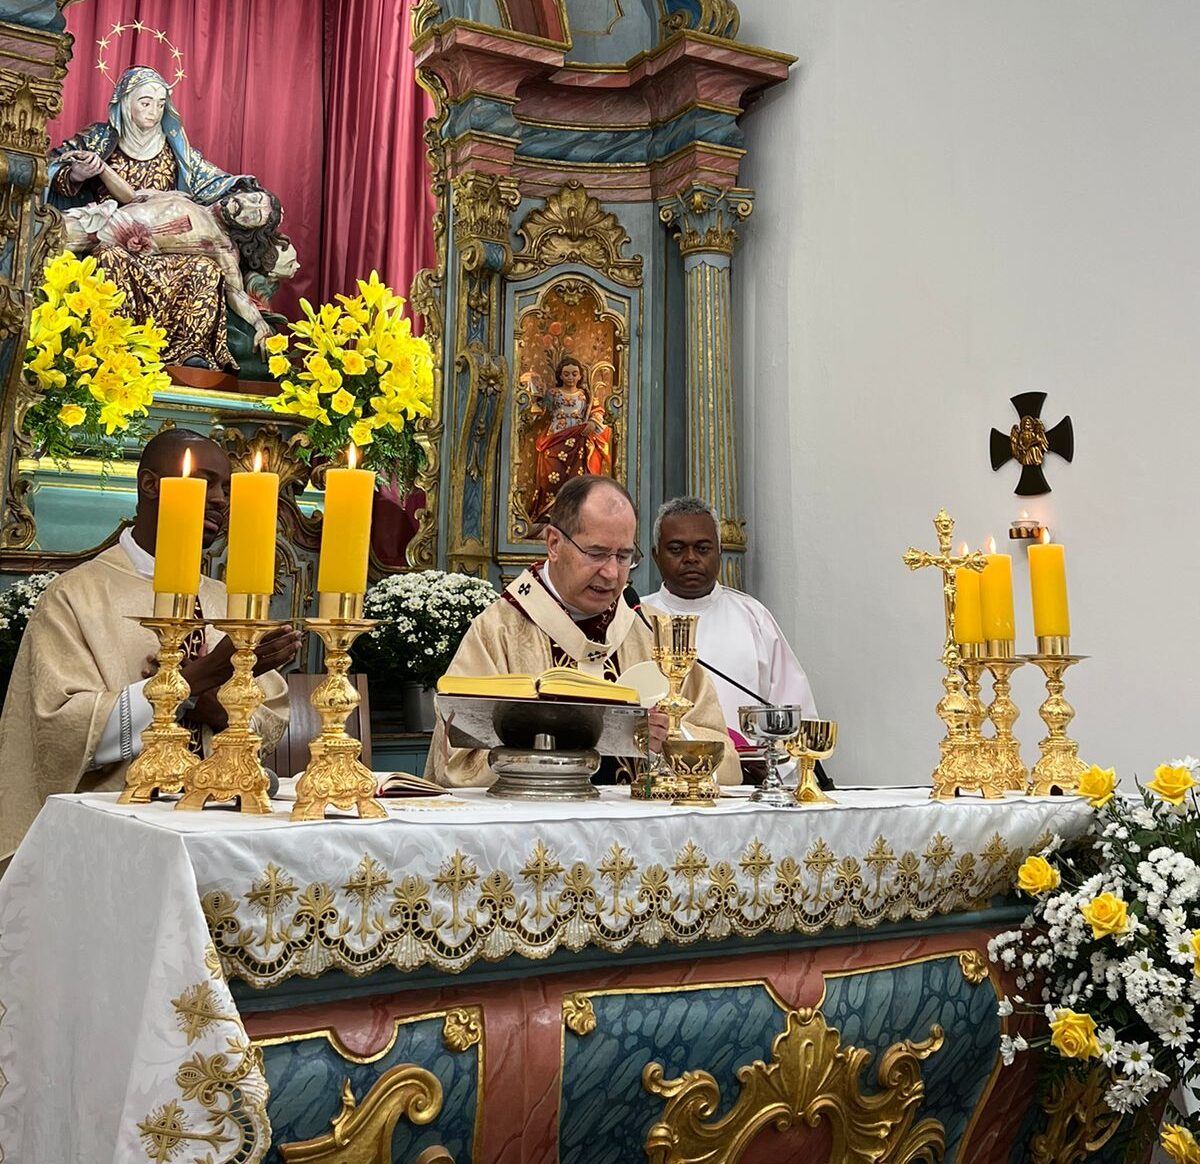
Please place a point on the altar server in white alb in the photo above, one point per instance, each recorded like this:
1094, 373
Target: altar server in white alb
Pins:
736, 633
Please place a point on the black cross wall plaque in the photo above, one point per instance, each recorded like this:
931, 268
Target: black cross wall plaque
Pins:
1029, 441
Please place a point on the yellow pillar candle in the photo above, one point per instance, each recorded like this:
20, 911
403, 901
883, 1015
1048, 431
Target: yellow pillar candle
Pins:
968, 615
346, 530
179, 541
995, 596
253, 510
1048, 585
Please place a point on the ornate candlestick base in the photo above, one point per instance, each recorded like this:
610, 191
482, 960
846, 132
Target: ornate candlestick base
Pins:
234, 769
693, 763
815, 741
335, 778
958, 769
1060, 767
164, 759
1002, 753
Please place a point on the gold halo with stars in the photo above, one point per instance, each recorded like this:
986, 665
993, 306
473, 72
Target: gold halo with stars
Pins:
118, 30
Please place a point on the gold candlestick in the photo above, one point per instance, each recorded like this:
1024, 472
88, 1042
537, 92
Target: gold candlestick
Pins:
234, 769
164, 758
674, 654
1006, 771
815, 741
959, 768
693, 763
972, 667
335, 777
1060, 767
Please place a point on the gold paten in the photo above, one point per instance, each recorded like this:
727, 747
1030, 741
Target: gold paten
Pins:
811, 1077
1080, 1122
579, 1015
974, 966
960, 769
234, 768
815, 741
164, 758
335, 777
361, 1133
1060, 767
462, 1028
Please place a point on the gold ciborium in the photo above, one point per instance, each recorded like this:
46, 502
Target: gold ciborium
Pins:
335, 777
815, 741
769, 726
165, 758
674, 654
693, 763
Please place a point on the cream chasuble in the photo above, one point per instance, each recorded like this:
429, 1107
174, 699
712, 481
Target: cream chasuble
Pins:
517, 634
81, 649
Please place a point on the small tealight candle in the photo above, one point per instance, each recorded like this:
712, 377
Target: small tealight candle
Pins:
996, 598
179, 541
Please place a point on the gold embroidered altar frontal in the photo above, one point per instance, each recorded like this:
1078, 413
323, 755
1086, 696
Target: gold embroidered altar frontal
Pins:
502, 879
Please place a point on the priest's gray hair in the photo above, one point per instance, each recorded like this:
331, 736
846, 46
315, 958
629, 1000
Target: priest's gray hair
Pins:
680, 506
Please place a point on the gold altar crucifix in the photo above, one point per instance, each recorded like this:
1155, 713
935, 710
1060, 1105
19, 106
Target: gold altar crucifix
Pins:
961, 766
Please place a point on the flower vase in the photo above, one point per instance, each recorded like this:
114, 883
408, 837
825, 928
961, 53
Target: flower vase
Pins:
419, 714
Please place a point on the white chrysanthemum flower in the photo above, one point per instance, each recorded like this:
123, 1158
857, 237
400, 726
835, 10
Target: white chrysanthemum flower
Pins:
1135, 1058
1107, 1039
1004, 1008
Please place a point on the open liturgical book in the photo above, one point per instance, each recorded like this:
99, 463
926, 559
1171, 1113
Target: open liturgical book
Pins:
557, 683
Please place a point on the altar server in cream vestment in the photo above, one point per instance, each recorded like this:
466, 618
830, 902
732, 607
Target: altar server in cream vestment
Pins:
569, 611
75, 708
736, 633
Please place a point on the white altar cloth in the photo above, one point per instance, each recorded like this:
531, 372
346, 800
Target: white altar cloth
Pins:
120, 926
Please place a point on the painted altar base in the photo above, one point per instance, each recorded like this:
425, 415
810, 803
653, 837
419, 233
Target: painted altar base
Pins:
476, 980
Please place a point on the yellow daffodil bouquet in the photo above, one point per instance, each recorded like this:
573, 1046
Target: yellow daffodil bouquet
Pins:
91, 371
1107, 964
359, 376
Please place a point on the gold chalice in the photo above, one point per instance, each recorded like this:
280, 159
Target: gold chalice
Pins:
815, 741
674, 654
693, 762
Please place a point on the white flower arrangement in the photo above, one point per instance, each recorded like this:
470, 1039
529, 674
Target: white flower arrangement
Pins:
423, 617
16, 605
1109, 958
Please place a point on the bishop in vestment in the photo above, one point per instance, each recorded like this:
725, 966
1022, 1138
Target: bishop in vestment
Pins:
75, 708
569, 611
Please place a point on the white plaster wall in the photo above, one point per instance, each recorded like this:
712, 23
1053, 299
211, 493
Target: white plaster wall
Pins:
960, 200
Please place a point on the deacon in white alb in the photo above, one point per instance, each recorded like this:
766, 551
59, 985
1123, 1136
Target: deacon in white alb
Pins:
736, 633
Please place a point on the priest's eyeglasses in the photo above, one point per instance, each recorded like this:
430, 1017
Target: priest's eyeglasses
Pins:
626, 559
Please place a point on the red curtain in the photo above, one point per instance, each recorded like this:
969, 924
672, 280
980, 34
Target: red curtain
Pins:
316, 98
378, 205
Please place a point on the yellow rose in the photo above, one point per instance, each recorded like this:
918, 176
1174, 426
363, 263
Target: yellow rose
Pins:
1074, 1035
354, 363
1036, 875
71, 415
1196, 952
1172, 784
342, 402
1098, 785
1180, 1144
276, 344
279, 365
1106, 915
360, 433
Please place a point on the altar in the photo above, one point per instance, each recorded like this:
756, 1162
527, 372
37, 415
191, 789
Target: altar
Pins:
477, 980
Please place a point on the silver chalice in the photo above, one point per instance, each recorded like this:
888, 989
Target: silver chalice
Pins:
769, 727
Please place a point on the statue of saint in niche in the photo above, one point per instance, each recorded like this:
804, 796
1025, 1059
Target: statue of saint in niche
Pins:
140, 149
573, 436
